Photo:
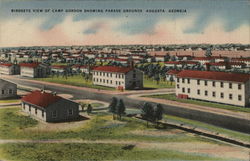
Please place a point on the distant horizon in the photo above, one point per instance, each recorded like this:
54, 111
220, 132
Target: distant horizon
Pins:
124, 45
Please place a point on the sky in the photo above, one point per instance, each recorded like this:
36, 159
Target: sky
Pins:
202, 21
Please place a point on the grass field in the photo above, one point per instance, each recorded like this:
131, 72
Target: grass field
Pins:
14, 125
76, 80
215, 129
66, 152
172, 97
150, 83
10, 101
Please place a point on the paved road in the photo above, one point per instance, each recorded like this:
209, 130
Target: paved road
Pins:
228, 120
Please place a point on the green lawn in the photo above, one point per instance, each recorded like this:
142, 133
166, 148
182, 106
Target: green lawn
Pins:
77, 151
215, 129
150, 83
13, 125
172, 97
10, 101
76, 80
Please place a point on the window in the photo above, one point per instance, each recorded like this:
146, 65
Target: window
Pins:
23, 106
221, 95
2, 91
188, 80
110, 81
239, 86
54, 114
214, 94
198, 92
205, 93
213, 83
230, 96
239, 97
178, 80
29, 108
10, 91
94, 79
198, 82
221, 84
183, 80
178, 86
36, 111
230, 85
134, 75
70, 112
110, 74
183, 90
205, 82
42, 113
107, 81
188, 90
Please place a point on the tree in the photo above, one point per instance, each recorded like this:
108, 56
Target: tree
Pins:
208, 53
89, 109
120, 108
157, 78
171, 79
158, 112
147, 112
112, 106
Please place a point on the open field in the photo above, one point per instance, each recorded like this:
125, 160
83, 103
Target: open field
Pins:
10, 101
106, 139
55, 152
149, 83
172, 97
76, 80
226, 132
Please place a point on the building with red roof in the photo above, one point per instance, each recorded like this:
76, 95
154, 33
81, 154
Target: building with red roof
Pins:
33, 70
242, 60
118, 77
171, 75
49, 107
9, 68
221, 87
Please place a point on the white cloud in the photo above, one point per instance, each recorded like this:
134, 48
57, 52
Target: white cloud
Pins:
20, 32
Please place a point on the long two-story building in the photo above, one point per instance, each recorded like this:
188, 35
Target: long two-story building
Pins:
221, 87
118, 77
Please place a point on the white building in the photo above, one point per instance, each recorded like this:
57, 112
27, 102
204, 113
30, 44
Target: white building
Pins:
221, 87
33, 70
242, 60
49, 107
7, 89
118, 77
9, 68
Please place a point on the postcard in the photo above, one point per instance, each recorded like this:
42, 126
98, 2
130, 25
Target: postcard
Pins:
124, 80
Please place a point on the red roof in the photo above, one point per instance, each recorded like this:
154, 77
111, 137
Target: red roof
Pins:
6, 64
41, 99
173, 72
212, 75
30, 65
113, 69
240, 59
